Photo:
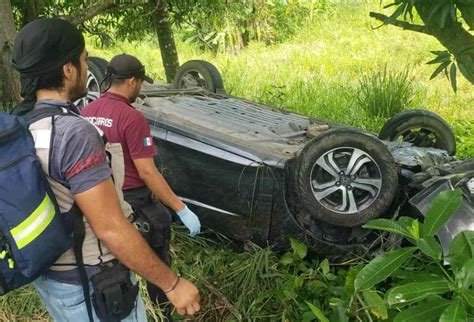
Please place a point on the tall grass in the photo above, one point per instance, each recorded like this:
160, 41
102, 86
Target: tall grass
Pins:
385, 93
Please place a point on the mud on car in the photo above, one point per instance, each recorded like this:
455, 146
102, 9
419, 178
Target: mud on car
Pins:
260, 173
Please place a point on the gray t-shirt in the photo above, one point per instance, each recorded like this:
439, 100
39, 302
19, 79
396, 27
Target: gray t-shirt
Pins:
78, 160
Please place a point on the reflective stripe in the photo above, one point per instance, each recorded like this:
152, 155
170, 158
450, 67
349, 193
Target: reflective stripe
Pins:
35, 224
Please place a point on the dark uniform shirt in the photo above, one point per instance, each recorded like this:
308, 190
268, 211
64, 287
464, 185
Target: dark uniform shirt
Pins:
122, 123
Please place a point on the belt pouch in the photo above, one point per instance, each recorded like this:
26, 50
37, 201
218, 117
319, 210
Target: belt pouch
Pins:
114, 294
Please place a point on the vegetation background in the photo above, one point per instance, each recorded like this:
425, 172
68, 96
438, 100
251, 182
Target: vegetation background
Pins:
326, 59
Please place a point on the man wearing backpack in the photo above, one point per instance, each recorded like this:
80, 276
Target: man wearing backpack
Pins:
51, 57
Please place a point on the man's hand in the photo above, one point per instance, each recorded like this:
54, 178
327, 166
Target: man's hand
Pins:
185, 297
190, 220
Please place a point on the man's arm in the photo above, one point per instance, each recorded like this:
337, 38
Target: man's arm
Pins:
157, 184
101, 207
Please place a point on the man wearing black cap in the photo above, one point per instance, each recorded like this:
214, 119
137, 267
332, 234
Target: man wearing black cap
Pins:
122, 123
51, 57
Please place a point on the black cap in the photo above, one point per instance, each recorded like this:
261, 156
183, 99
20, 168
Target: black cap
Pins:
44, 45
127, 66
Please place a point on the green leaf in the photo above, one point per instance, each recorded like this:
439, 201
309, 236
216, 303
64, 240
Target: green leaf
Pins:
396, 3
441, 210
467, 13
427, 311
441, 53
325, 267
439, 69
376, 304
299, 281
287, 259
415, 228
382, 267
300, 249
430, 247
464, 71
444, 56
461, 249
452, 76
339, 313
349, 283
456, 312
411, 225
317, 313
469, 297
466, 274
396, 13
415, 292
411, 277
390, 226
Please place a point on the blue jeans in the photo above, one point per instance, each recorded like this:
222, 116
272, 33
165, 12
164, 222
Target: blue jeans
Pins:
65, 302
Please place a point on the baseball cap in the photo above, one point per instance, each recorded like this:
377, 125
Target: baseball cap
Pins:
127, 66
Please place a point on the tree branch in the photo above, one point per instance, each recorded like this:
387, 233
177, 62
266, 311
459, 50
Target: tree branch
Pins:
402, 24
90, 12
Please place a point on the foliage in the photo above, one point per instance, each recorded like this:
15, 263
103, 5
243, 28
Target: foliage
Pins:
231, 25
385, 93
439, 16
217, 25
424, 288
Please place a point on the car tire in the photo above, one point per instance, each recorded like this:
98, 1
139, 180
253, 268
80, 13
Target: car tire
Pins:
199, 73
97, 66
420, 127
95, 77
346, 177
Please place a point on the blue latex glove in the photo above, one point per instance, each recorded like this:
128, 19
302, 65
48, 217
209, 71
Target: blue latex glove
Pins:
190, 220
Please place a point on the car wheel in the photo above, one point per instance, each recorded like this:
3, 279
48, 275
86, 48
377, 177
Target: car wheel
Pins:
346, 177
95, 77
199, 73
420, 127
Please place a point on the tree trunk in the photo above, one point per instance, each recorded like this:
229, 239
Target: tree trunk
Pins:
32, 10
164, 33
9, 80
454, 37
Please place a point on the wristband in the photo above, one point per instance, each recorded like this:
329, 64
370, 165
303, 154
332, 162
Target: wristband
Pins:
174, 286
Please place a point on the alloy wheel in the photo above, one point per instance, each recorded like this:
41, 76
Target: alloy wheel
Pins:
346, 180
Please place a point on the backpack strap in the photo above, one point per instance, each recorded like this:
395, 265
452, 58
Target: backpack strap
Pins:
79, 233
41, 113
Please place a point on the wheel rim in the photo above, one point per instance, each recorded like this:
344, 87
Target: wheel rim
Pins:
418, 136
346, 180
193, 78
93, 91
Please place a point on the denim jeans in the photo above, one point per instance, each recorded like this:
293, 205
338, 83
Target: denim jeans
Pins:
65, 302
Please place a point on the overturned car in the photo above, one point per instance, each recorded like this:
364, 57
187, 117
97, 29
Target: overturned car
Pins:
259, 173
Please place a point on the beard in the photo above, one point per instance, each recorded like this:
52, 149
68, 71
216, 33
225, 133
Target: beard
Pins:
80, 90
135, 94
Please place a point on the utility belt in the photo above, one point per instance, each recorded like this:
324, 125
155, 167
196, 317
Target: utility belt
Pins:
152, 219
